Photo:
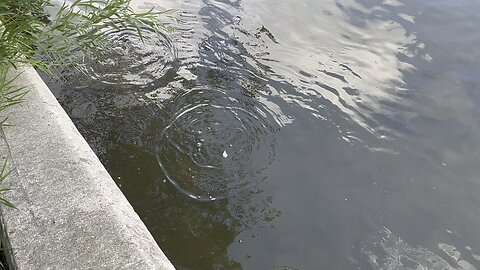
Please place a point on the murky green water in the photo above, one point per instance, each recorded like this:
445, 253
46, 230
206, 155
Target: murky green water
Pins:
276, 134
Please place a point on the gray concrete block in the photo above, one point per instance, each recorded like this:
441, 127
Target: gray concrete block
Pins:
71, 214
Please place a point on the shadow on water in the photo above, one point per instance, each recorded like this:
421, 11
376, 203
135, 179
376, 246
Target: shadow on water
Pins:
295, 134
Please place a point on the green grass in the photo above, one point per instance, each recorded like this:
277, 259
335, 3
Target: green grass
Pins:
36, 33
34, 36
48, 37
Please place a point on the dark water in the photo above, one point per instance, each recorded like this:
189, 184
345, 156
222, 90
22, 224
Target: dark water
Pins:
306, 134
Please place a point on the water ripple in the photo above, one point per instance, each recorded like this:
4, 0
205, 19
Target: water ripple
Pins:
215, 144
128, 60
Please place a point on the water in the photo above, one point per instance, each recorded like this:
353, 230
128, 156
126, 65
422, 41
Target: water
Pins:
296, 134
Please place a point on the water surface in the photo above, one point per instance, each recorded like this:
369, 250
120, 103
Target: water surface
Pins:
262, 134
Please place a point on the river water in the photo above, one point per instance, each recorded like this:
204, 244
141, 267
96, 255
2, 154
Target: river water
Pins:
308, 134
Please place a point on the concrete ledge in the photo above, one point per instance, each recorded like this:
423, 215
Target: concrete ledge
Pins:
71, 214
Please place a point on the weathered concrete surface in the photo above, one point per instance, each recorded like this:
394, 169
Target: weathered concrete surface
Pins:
70, 215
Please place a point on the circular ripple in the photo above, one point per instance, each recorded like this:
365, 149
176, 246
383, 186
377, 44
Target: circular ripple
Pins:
129, 60
215, 144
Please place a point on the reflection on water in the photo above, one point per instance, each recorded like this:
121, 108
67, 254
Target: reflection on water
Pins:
387, 251
290, 134
350, 55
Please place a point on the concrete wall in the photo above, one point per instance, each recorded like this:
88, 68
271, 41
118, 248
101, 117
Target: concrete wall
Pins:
71, 214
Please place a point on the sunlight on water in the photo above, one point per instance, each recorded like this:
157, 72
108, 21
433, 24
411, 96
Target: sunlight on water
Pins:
346, 54
354, 68
389, 252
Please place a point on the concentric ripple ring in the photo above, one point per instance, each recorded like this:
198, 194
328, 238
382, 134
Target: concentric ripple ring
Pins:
129, 59
215, 144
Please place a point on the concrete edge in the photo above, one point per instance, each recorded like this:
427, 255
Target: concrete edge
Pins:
71, 214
